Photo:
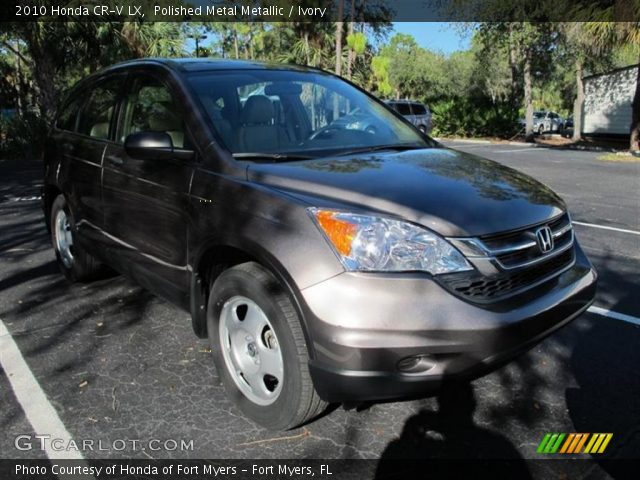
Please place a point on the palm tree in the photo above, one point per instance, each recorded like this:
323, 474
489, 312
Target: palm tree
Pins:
581, 46
339, 26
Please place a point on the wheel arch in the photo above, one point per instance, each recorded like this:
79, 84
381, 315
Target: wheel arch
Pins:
49, 194
217, 256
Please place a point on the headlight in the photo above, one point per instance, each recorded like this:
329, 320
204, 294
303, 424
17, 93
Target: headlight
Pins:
369, 243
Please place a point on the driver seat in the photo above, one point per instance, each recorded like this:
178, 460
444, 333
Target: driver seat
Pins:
258, 130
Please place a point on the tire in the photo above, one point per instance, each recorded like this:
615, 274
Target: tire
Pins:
541, 129
422, 129
244, 352
74, 262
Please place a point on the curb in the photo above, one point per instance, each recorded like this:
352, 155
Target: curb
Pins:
582, 148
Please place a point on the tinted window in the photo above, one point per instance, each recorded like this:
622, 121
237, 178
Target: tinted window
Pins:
418, 109
95, 117
403, 108
150, 107
68, 116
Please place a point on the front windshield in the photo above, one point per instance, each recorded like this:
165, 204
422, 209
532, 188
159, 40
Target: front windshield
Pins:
289, 113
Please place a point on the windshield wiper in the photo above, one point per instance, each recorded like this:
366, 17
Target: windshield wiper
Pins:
375, 148
271, 157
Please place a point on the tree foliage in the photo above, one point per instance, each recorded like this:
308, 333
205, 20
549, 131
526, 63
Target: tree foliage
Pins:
510, 67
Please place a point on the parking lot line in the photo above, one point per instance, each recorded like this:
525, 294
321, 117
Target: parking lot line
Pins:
37, 408
615, 315
604, 227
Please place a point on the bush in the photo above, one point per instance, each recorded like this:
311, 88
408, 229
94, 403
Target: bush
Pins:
474, 118
22, 136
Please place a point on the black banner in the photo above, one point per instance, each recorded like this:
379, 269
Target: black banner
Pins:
319, 10
317, 469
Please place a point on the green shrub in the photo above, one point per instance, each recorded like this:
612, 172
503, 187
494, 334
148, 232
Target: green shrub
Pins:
473, 118
22, 136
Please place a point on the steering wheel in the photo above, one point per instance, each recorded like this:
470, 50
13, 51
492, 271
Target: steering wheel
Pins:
323, 131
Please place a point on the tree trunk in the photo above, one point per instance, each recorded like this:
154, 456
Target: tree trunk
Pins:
339, 26
528, 97
578, 104
634, 143
307, 48
18, 82
351, 56
235, 41
43, 71
513, 66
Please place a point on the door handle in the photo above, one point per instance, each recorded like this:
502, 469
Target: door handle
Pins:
115, 160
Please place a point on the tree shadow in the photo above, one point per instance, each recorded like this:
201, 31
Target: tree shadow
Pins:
448, 433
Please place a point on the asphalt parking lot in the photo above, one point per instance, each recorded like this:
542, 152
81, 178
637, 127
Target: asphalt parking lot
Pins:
114, 363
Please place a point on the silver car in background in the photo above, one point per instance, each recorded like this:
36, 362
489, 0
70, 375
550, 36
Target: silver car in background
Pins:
417, 113
545, 122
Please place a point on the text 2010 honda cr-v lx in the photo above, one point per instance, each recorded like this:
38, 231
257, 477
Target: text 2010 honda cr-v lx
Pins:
326, 260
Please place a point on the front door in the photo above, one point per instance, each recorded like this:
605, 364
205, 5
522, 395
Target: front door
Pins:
146, 201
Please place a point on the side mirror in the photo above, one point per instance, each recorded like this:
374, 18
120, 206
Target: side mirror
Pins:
154, 146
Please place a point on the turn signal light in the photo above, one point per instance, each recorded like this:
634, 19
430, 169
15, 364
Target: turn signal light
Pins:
340, 232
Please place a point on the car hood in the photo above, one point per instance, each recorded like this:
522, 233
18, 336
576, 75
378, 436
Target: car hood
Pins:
453, 193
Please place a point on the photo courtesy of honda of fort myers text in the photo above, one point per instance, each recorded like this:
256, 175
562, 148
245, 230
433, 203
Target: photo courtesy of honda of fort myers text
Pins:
361, 239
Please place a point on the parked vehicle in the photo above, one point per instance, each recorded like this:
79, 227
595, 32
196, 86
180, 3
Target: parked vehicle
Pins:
417, 113
545, 122
323, 263
567, 128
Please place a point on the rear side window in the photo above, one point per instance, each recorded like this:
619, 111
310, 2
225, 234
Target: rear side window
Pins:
403, 108
69, 115
418, 109
95, 117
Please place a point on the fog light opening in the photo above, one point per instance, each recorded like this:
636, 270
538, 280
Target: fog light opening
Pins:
416, 364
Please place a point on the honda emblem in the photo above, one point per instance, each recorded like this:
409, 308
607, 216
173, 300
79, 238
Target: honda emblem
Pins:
544, 237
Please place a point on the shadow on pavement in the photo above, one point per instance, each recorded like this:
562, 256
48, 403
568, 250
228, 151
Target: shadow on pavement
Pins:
449, 433
604, 361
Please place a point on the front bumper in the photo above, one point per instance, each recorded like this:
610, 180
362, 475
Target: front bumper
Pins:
362, 326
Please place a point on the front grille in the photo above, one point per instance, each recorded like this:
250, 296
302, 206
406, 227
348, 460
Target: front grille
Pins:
501, 247
483, 289
515, 260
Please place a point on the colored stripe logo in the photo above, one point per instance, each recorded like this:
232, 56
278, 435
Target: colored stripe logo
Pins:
574, 443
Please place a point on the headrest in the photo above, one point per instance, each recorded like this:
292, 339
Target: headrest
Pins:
258, 109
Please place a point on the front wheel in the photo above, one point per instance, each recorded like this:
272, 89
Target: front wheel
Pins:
259, 348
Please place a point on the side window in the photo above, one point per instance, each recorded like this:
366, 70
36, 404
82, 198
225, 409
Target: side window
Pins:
68, 115
150, 106
95, 116
403, 109
418, 109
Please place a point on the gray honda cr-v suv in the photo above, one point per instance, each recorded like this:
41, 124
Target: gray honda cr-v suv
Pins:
324, 263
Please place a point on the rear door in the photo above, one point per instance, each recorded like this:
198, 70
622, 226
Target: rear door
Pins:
146, 201
87, 127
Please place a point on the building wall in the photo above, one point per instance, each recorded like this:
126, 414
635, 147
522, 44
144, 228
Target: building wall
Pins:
607, 105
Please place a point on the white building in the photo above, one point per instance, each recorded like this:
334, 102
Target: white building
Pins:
608, 99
